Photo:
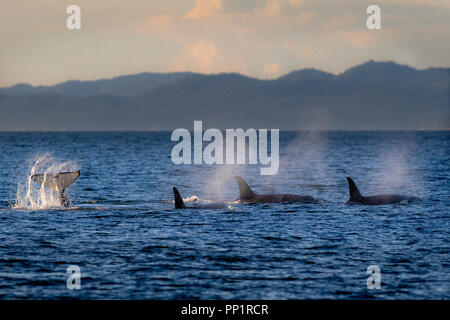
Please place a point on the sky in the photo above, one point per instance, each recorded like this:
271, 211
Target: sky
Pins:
258, 38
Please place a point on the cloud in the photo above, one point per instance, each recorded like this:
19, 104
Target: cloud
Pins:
241, 36
272, 8
358, 39
342, 21
204, 8
277, 8
215, 24
295, 33
430, 3
305, 18
203, 57
271, 69
251, 37
295, 3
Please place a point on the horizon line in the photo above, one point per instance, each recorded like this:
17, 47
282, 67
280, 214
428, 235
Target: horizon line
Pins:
191, 130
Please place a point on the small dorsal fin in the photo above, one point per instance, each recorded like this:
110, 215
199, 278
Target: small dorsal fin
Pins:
244, 190
354, 192
179, 203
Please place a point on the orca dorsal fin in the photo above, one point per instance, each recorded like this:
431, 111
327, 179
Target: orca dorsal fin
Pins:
354, 192
244, 190
179, 203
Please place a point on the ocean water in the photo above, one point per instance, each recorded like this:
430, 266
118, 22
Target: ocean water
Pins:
130, 243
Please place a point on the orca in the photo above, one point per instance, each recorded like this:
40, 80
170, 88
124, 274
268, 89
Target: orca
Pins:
357, 198
179, 203
58, 182
248, 196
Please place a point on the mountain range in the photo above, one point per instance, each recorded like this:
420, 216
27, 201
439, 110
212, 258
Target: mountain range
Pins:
370, 96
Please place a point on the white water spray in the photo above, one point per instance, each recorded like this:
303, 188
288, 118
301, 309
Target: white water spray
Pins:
32, 195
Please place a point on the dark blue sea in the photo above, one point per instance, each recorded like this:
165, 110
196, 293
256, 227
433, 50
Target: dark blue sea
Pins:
129, 242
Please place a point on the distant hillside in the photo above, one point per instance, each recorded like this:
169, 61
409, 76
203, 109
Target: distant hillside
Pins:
129, 85
371, 96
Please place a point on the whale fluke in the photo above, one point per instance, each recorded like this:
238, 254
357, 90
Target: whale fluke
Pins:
179, 203
355, 195
244, 190
58, 182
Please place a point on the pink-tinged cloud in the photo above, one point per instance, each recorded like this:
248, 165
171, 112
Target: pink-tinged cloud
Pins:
271, 69
200, 56
277, 8
429, 3
214, 36
204, 8
358, 39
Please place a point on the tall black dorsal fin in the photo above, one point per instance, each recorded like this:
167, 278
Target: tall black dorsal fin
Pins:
354, 192
179, 204
244, 190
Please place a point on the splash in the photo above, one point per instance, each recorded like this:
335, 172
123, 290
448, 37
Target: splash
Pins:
31, 195
194, 198
191, 199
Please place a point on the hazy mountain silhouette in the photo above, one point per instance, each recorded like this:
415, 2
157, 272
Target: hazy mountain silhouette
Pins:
371, 96
129, 85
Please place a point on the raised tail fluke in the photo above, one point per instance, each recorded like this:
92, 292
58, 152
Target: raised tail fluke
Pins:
354, 192
179, 203
58, 182
244, 190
